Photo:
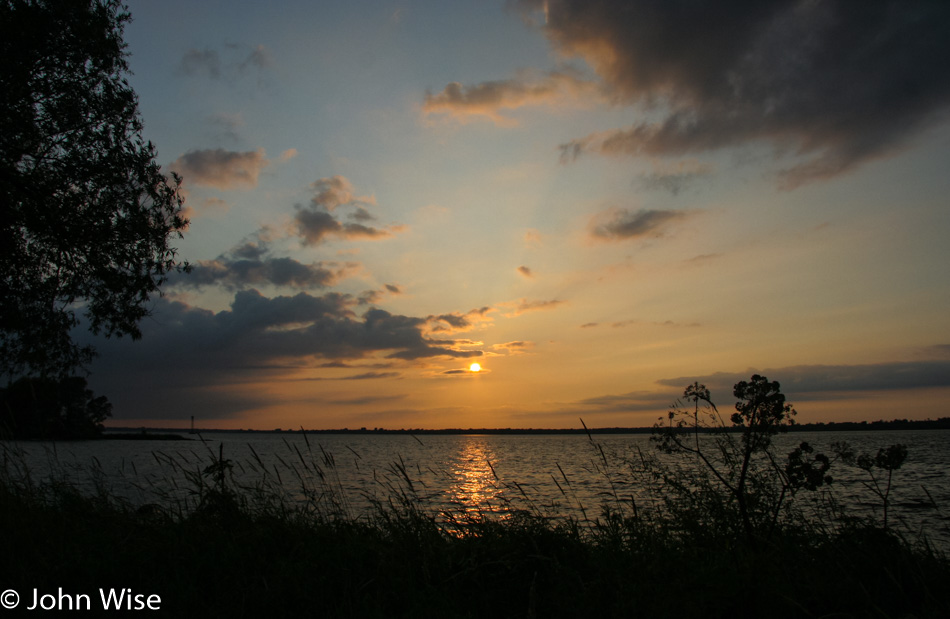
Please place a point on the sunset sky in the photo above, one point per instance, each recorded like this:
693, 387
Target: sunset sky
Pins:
597, 201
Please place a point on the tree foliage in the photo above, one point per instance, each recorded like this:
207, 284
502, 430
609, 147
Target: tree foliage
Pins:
46, 408
87, 216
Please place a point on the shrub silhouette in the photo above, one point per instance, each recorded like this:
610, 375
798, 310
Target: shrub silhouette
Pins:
746, 470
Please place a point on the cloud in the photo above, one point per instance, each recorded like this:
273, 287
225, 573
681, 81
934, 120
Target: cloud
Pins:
316, 222
532, 239
227, 125
523, 306
464, 372
365, 400
622, 324
369, 297
457, 322
674, 178
363, 376
623, 224
200, 62
831, 85
812, 381
207, 207
526, 271
702, 259
514, 348
258, 58
937, 351
336, 191
221, 168
372, 376
210, 355
214, 205
634, 401
239, 273
249, 264
487, 99
316, 226
239, 60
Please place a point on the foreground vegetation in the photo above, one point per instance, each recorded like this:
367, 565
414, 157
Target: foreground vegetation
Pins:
225, 560
725, 538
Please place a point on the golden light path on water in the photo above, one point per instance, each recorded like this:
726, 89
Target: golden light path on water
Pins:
474, 488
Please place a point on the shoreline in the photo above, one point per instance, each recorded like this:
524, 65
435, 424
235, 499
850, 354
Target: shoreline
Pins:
942, 423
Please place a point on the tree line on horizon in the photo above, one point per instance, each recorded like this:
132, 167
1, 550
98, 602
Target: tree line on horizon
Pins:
941, 423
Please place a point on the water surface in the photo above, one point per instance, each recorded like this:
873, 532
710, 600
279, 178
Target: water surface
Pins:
470, 475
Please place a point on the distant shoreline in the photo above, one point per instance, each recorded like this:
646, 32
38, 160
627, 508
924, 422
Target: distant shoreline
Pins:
140, 433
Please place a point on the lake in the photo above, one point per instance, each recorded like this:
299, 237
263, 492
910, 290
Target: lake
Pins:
466, 475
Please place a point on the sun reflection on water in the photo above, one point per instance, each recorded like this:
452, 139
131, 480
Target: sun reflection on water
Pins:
475, 489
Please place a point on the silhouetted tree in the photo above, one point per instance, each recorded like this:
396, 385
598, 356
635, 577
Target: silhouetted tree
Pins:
86, 215
48, 408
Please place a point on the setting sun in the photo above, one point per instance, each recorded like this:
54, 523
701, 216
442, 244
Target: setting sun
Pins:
475, 368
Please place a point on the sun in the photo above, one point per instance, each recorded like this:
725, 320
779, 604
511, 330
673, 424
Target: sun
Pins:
475, 368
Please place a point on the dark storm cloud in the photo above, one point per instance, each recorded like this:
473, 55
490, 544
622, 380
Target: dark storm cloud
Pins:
635, 401
210, 355
800, 383
624, 224
248, 264
372, 376
276, 271
363, 376
817, 381
830, 84
258, 330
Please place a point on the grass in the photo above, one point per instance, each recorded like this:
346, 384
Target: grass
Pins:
231, 551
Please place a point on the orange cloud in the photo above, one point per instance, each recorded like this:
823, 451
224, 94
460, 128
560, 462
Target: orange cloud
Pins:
487, 99
523, 306
514, 348
221, 168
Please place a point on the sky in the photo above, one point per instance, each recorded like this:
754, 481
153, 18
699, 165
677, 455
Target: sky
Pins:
599, 202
